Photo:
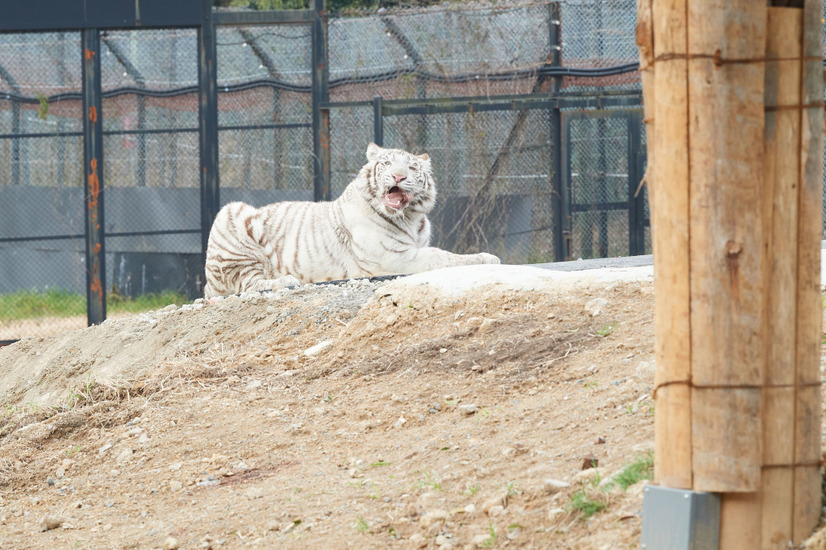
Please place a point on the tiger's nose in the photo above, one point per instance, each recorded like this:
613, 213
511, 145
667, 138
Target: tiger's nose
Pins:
399, 177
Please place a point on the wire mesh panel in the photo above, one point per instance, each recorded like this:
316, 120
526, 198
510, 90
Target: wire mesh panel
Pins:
42, 276
493, 175
351, 130
441, 52
151, 162
265, 113
599, 34
599, 180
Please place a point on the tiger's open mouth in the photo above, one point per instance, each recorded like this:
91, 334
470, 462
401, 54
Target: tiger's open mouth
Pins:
396, 198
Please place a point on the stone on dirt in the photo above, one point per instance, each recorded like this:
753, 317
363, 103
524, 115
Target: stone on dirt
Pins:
551, 486
595, 306
50, 522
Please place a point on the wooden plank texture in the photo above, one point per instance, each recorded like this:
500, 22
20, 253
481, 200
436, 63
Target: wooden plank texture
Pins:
777, 499
668, 196
739, 521
727, 40
782, 183
726, 439
726, 113
809, 313
778, 425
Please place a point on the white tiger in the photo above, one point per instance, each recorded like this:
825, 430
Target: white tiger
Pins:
378, 226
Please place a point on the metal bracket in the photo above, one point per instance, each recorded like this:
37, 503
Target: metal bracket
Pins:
677, 519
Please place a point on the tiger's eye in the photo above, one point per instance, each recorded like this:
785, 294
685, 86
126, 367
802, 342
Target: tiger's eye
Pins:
386, 163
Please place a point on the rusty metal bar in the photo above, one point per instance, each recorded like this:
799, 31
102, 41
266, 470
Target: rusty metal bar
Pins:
321, 113
93, 178
208, 122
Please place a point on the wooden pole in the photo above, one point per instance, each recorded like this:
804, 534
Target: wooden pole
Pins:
733, 90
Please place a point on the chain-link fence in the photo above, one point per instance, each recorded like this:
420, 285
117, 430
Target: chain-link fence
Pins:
531, 112
499, 168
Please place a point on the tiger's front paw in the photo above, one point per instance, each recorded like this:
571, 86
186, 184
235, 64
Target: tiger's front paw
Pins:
287, 281
488, 258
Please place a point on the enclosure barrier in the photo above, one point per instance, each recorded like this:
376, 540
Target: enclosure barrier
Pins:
736, 184
537, 146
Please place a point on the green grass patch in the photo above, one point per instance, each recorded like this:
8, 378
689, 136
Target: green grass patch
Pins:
641, 468
587, 503
592, 498
32, 304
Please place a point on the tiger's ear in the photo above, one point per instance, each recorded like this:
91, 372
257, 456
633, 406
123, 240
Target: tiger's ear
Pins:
424, 156
373, 151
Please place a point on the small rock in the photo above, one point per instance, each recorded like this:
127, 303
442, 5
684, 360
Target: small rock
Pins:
318, 348
175, 485
50, 522
67, 463
514, 532
585, 476
468, 409
499, 501
60, 472
391, 319
644, 447
399, 423
600, 440
175, 467
552, 486
486, 325
496, 510
104, 448
554, 513
124, 456
171, 543
137, 430
432, 517
442, 540
645, 371
255, 384
418, 540
481, 540
589, 461
595, 306
474, 321
470, 509
143, 439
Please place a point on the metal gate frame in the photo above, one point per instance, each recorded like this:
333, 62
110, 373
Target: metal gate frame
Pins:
636, 155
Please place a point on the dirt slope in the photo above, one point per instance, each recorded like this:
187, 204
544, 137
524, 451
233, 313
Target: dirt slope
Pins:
438, 413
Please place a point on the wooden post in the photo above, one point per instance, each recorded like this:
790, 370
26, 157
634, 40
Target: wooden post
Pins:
734, 91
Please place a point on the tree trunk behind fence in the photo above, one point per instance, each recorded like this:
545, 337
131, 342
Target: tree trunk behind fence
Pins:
734, 92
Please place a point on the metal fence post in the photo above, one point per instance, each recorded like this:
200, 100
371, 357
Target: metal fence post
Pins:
208, 123
321, 113
636, 204
93, 176
378, 123
555, 21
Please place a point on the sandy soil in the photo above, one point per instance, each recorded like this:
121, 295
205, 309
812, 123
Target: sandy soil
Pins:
409, 414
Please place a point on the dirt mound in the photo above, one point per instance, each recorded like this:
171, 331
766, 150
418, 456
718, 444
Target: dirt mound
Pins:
424, 412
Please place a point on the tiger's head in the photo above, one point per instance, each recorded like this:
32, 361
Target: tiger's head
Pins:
399, 183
